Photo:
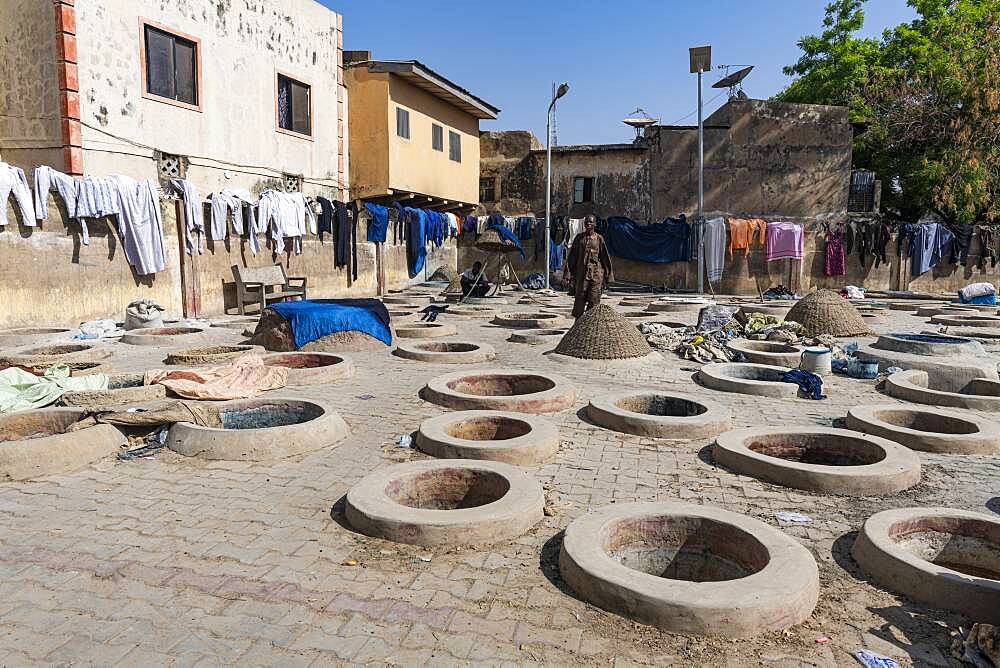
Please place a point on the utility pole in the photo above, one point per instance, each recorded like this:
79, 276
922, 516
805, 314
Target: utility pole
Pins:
558, 93
701, 61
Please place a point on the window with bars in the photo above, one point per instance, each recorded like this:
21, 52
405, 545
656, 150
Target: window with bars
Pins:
488, 189
583, 189
294, 106
171, 66
861, 198
454, 146
402, 123
437, 137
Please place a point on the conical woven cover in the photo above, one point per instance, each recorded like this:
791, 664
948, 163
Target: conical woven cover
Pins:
454, 288
826, 312
490, 240
603, 334
444, 274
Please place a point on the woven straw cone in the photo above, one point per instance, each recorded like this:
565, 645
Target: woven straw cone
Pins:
443, 273
603, 334
826, 312
454, 288
490, 240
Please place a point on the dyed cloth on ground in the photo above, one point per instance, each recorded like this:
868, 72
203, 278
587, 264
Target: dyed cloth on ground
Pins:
245, 378
21, 390
659, 243
809, 383
312, 319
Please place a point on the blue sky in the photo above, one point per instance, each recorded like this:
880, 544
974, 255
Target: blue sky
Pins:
615, 55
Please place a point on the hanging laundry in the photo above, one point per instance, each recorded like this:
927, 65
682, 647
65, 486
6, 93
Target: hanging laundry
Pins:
715, 248
284, 215
525, 228
784, 241
573, 227
557, 253
835, 264
378, 225
416, 240
140, 225
14, 182
194, 215
987, 246
960, 249
342, 235
44, 177
743, 232
660, 243
931, 243
324, 224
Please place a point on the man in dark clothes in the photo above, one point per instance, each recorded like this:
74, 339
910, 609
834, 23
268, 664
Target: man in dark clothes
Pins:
468, 280
588, 267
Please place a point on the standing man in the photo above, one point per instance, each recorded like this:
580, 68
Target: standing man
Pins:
589, 267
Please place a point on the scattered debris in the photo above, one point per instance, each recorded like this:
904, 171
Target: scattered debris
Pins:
788, 517
405, 441
868, 658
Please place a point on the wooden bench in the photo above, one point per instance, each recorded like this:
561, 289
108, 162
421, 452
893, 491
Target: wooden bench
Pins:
260, 285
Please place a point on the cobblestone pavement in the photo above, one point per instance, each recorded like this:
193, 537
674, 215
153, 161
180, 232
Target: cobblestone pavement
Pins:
178, 561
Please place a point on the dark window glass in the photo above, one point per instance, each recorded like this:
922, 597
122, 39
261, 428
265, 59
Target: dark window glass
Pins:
402, 123
583, 189
488, 189
455, 146
171, 66
294, 110
437, 137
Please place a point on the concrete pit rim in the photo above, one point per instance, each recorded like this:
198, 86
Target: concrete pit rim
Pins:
513, 438
981, 394
927, 429
210, 354
819, 459
446, 352
501, 389
536, 337
534, 320
762, 380
159, 336
659, 414
445, 502
966, 320
942, 557
689, 569
928, 344
312, 368
425, 330
36, 443
772, 353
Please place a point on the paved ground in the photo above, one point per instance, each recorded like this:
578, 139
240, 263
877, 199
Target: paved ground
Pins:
176, 561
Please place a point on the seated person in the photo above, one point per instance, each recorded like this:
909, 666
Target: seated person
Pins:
468, 277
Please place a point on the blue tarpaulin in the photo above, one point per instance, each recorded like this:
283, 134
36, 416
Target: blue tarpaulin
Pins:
659, 243
312, 319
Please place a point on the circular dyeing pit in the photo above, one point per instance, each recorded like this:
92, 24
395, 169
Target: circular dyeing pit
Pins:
675, 306
26, 336
260, 430
537, 336
36, 443
659, 415
485, 312
513, 438
73, 352
529, 320
445, 502
159, 336
819, 459
210, 354
944, 558
446, 352
758, 379
928, 429
980, 394
502, 390
408, 300
966, 320
424, 330
123, 388
312, 368
689, 569
773, 353
929, 344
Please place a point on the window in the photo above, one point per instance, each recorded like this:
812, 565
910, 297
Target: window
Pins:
294, 106
402, 123
437, 137
171, 66
454, 146
583, 189
488, 189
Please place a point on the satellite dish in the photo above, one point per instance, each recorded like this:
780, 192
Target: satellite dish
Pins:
733, 79
639, 120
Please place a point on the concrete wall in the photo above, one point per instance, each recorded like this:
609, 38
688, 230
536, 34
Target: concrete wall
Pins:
368, 130
29, 89
233, 141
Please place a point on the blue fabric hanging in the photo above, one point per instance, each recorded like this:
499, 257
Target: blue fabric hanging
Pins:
379, 223
659, 243
507, 235
416, 240
556, 254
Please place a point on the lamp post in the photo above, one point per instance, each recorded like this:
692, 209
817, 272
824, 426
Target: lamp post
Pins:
562, 90
701, 61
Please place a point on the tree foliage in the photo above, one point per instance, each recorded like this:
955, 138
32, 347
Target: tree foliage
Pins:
928, 93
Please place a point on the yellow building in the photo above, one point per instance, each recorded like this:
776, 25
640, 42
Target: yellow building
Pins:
413, 135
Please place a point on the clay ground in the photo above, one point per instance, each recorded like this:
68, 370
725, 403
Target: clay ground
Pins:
176, 561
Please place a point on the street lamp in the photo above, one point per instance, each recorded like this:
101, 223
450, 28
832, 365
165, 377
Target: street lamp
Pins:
701, 61
562, 90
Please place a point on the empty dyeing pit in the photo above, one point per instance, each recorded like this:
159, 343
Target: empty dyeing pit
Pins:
689, 569
944, 558
758, 379
398, 314
929, 344
966, 320
675, 306
819, 459
409, 300
36, 443
929, 311
159, 336
237, 322
445, 502
773, 353
312, 368
467, 311
778, 308
424, 330
928, 429
979, 394
26, 336
537, 336
514, 438
529, 320
446, 352
659, 415
73, 352
210, 354
260, 430
123, 388
502, 390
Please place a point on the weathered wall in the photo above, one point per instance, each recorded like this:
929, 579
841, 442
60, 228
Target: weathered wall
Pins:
368, 130
233, 141
504, 157
29, 88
